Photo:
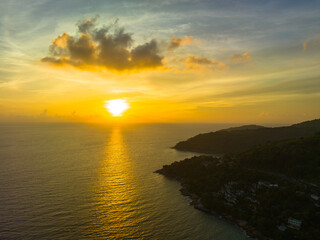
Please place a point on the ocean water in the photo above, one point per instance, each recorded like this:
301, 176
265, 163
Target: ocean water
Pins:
78, 181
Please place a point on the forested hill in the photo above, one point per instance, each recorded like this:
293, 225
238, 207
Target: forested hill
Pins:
245, 127
259, 189
296, 158
236, 140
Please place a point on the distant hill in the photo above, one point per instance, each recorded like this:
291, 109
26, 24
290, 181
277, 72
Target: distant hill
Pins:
245, 127
240, 139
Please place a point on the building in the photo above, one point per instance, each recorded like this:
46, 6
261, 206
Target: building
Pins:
294, 223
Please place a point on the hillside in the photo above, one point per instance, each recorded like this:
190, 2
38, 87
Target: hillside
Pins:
259, 189
245, 127
295, 158
236, 140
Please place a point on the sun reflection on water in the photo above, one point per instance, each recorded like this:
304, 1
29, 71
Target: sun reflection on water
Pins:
117, 191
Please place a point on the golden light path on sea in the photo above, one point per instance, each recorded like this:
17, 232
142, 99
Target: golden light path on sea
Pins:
117, 205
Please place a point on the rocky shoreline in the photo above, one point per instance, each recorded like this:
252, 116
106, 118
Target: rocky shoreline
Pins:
196, 203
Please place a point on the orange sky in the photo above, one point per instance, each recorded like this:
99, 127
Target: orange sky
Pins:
208, 62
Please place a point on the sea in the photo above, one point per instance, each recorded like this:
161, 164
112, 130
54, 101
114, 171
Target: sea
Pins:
86, 181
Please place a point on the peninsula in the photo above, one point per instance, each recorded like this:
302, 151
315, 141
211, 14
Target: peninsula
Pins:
271, 190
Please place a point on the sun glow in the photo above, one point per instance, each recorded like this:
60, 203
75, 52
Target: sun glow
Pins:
117, 107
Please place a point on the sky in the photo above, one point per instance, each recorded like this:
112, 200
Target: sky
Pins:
171, 61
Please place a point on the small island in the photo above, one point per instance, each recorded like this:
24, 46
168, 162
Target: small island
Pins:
271, 190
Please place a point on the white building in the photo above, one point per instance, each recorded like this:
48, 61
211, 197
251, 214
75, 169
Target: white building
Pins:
294, 223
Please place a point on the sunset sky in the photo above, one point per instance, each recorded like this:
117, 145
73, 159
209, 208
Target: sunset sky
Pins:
171, 61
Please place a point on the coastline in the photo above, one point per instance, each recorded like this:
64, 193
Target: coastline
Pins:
195, 201
259, 190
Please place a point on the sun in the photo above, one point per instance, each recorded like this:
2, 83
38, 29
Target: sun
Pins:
116, 107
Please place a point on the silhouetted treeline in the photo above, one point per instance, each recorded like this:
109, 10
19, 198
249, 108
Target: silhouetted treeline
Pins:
297, 158
236, 140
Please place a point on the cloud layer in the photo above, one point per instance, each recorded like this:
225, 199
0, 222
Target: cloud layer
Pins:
241, 57
176, 42
108, 47
111, 48
202, 63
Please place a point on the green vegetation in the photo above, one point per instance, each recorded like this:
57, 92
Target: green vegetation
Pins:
258, 189
236, 140
296, 158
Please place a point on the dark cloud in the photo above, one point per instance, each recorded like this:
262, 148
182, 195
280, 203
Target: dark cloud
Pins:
146, 55
86, 25
109, 47
82, 48
176, 42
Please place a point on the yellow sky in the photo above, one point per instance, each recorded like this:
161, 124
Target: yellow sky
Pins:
168, 68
